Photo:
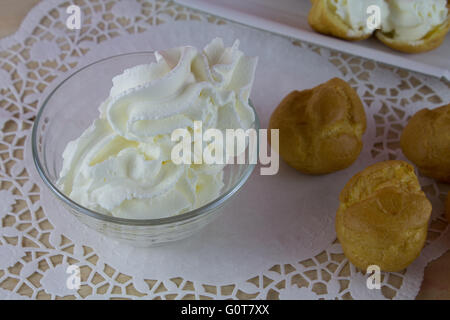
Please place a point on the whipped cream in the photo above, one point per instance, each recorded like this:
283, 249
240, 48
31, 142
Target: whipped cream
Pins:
354, 13
121, 164
411, 20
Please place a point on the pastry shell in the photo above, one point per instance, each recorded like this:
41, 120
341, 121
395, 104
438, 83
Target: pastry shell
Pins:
383, 217
323, 19
320, 129
425, 141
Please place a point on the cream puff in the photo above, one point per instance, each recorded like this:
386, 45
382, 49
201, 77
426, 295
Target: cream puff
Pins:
383, 217
320, 129
415, 26
345, 19
425, 141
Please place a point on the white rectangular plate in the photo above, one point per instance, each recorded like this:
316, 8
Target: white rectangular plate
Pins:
289, 18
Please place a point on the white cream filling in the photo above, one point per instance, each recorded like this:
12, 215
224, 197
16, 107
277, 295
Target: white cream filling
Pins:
354, 13
409, 20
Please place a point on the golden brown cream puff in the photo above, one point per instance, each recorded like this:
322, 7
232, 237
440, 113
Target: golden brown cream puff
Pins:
320, 129
426, 142
383, 217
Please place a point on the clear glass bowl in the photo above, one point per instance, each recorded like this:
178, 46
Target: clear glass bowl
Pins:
68, 111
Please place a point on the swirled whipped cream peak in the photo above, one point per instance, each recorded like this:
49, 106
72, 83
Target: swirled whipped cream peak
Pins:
121, 165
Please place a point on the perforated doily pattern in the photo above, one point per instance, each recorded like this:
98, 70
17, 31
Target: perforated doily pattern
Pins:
35, 255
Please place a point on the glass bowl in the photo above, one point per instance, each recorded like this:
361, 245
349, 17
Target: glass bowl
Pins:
68, 111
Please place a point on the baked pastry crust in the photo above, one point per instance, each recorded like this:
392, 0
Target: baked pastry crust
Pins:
425, 141
323, 19
383, 217
431, 41
320, 129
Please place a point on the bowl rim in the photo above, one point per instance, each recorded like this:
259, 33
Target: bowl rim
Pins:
180, 218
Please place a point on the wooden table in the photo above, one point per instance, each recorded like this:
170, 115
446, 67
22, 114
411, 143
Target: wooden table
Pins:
436, 284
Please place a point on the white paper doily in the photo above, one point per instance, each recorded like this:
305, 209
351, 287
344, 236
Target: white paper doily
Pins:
276, 239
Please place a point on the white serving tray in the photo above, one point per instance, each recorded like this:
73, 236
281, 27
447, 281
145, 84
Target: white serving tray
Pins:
289, 18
